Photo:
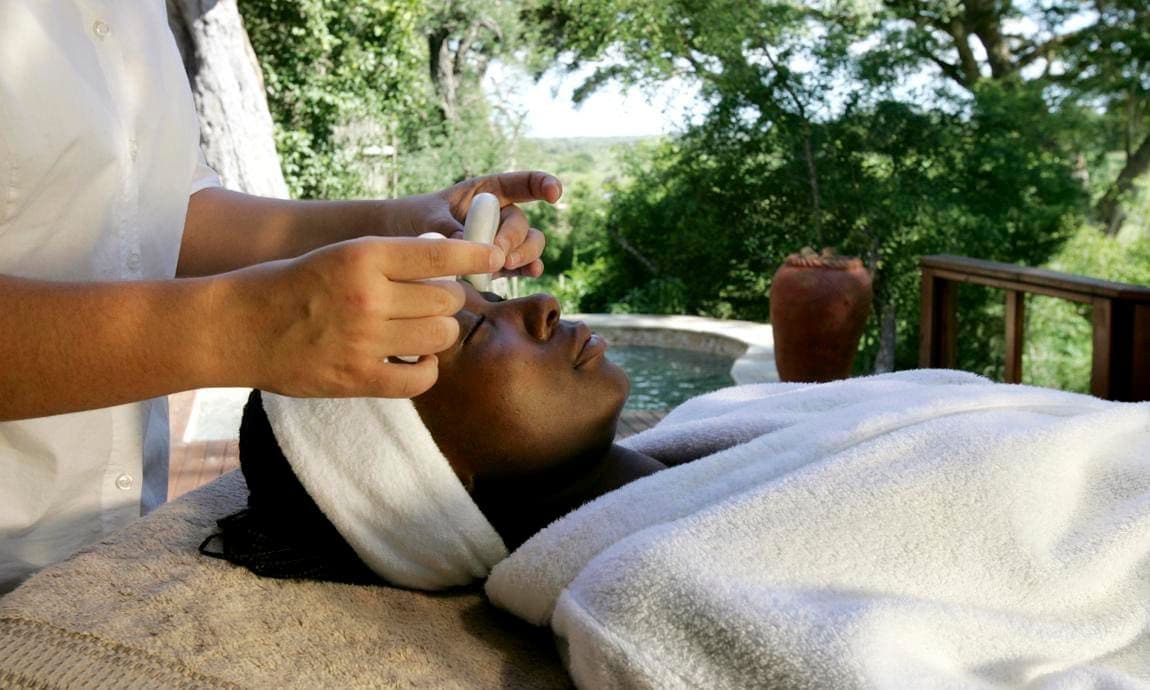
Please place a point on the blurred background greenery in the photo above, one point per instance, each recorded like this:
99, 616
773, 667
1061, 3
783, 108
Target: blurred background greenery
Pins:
1011, 131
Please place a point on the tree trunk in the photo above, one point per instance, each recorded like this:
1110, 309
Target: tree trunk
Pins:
967, 74
813, 181
236, 129
984, 18
442, 66
455, 63
1109, 207
887, 338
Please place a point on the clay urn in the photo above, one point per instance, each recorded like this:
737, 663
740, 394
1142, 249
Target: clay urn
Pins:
819, 307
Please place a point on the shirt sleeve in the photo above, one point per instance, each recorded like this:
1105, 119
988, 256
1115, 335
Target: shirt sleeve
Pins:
204, 176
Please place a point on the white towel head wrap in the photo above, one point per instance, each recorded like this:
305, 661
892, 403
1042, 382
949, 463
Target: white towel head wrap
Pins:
372, 467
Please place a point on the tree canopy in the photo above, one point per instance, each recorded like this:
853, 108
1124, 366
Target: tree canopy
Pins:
806, 59
348, 77
887, 129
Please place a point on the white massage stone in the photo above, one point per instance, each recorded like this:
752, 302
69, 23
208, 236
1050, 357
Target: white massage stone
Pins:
480, 226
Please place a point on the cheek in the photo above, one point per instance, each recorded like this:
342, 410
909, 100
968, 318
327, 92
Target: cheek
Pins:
519, 410
521, 395
490, 413
549, 414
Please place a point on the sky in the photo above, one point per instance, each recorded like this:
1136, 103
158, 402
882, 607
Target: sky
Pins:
610, 112
614, 111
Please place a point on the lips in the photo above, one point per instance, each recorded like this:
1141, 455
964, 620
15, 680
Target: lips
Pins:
591, 344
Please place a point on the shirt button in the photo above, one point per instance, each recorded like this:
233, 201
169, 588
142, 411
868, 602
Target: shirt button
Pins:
124, 482
133, 260
101, 28
133, 149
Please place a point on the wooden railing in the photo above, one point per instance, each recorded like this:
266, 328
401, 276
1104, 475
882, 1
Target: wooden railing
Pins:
1121, 316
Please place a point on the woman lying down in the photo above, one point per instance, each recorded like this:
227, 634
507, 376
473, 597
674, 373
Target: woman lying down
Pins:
920, 529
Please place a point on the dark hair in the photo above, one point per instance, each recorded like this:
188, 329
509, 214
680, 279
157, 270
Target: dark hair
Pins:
282, 533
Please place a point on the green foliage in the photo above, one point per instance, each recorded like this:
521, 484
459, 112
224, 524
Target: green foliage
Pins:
866, 126
660, 295
710, 216
576, 228
1058, 344
468, 133
591, 162
348, 80
331, 70
446, 152
573, 285
849, 123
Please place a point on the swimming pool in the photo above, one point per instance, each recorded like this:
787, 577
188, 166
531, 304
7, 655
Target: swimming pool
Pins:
663, 377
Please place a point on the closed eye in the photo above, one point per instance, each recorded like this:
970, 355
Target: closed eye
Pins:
470, 333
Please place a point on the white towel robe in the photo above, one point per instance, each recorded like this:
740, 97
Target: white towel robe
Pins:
99, 152
922, 529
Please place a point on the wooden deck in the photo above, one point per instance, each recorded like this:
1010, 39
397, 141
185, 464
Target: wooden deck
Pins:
632, 422
1120, 314
195, 464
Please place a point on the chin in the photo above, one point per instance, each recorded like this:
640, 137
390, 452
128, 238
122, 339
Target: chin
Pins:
618, 388
620, 385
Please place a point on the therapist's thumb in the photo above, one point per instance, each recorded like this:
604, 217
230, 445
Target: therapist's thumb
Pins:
416, 258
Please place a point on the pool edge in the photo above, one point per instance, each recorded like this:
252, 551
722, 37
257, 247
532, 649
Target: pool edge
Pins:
756, 363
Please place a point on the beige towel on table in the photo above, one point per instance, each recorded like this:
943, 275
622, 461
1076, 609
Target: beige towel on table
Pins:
144, 609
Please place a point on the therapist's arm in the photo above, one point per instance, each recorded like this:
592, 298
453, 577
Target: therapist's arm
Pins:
320, 325
75, 346
226, 230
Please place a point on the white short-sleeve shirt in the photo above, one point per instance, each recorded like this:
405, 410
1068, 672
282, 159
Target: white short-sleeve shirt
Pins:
99, 152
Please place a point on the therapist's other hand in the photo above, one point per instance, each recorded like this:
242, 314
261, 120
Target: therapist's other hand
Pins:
445, 211
325, 323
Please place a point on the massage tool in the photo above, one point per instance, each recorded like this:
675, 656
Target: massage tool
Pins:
480, 225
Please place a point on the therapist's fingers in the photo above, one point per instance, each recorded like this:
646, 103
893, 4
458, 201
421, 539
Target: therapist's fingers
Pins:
411, 300
510, 188
528, 251
513, 229
416, 259
424, 336
531, 270
322, 324
524, 185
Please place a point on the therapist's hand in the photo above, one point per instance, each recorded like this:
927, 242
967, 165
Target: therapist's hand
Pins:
445, 211
324, 324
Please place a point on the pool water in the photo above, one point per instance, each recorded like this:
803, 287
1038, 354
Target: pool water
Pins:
663, 377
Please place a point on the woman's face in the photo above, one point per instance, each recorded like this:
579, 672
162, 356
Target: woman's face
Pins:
521, 392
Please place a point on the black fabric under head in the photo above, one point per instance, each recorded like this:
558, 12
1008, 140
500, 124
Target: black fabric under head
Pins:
282, 533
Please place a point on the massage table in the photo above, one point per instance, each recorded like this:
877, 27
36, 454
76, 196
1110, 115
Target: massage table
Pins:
144, 609
925, 529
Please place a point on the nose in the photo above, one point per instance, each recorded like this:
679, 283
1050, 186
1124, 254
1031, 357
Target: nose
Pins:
541, 315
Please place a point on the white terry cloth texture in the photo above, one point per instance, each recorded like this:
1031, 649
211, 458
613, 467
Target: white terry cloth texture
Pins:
925, 529
372, 467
